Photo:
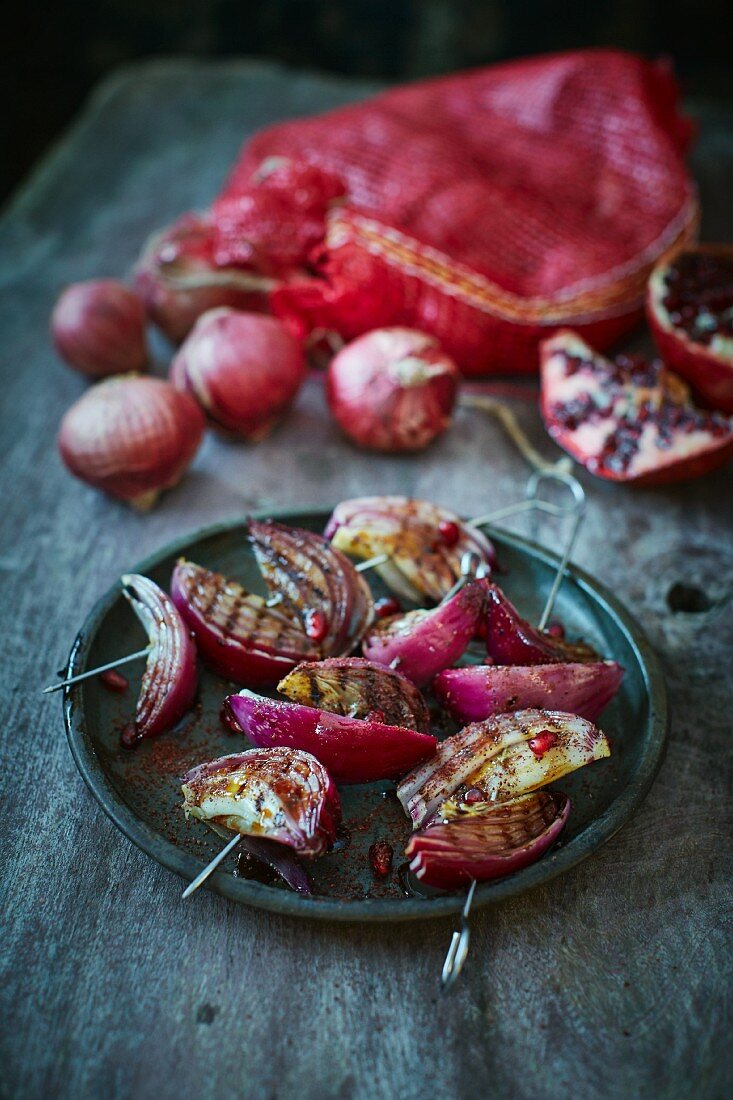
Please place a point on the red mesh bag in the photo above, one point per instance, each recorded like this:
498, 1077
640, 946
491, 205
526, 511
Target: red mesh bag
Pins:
488, 208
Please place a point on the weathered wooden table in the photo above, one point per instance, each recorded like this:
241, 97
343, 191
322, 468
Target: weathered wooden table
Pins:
614, 980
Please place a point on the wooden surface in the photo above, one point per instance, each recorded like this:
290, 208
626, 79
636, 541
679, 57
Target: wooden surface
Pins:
613, 981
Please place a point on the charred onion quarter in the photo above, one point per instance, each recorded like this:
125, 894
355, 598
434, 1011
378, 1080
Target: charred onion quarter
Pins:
353, 750
316, 584
424, 543
169, 680
357, 688
500, 758
512, 640
280, 794
237, 635
628, 420
421, 643
690, 312
477, 692
487, 841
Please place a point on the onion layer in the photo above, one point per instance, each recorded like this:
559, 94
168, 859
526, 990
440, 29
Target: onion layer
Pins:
511, 640
474, 693
279, 793
315, 583
498, 840
169, 681
237, 635
504, 756
424, 543
421, 643
357, 688
354, 751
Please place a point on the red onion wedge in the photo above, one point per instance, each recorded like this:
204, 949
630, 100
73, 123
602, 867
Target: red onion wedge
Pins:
511, 640
236, 634
317, 585
357, 688
421, 643
280, 794
424, 542
169, 681
474, 693
353, 750
498, 840
507, 755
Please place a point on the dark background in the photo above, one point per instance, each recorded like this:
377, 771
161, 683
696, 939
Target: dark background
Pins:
55, 53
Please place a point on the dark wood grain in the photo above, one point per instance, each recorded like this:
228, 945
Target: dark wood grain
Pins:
612, 981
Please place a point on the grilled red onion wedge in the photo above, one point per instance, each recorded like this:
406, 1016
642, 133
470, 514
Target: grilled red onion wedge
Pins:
424, 542
511, 640
280, 794
316, 584
237, 635
169, 681
479, 691
487, 842
421, 643
353, 750
357, 688
504, 756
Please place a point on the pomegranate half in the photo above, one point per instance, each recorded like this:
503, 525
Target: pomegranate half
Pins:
690, 311
628, 420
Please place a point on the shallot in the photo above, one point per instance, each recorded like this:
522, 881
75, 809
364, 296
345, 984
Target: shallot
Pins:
244, 369
131, 437
98, 327
392, 389
169, 681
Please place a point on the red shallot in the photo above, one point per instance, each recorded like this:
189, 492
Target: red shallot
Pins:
353, 750
280, 794
169, 681
392, 389
479, 691
496, 840
98, 327
504, 756
423, 553
131, 437
244, 369
421, 643
236, 634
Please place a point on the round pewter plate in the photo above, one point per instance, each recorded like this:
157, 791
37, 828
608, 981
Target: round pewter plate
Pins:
140, 789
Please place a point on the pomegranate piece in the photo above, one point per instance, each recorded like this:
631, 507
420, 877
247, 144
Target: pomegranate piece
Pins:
628, 420
690, 311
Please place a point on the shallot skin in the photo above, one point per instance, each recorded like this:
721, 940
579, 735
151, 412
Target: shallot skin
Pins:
131, 437
392, 389
244, 369
98, 328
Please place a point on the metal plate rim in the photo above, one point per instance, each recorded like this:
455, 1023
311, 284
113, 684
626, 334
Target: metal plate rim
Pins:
367, 910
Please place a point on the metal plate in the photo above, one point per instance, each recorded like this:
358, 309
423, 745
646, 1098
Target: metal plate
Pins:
140, 790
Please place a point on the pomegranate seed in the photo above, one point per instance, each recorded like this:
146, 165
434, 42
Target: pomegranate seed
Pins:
129, 736
227, 719
450, 532
316, 626
387, 606
114, 681
556, 630
474, 794
380, 858
542, 742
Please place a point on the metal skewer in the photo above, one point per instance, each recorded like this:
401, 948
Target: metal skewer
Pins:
96, 671
210, 867
458, 949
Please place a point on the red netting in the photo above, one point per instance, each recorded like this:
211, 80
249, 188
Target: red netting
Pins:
488, 208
